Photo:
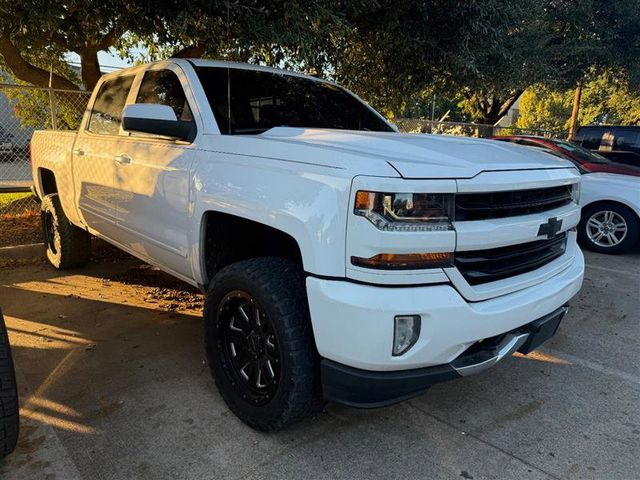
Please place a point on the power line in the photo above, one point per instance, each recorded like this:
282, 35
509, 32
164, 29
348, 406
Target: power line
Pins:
78, 64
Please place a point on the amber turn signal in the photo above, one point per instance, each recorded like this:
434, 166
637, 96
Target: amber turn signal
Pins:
364, 200
405, 261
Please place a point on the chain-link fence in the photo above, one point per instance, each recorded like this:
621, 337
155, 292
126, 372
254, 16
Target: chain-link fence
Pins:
422, 125
24, 109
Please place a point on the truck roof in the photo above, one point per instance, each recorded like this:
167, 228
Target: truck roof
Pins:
199, 62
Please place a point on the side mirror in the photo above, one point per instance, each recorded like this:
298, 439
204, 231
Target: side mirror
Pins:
156, 119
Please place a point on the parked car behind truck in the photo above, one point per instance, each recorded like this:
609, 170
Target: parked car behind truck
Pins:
609, 197
341, 260
619, 143
585, 160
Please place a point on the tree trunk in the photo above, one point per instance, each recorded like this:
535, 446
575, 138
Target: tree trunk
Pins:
495, 108
26, 72
89, 68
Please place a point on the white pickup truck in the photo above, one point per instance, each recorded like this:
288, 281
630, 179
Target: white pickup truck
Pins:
341, 260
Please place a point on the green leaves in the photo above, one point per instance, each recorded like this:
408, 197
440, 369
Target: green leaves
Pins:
606, 98
394, 53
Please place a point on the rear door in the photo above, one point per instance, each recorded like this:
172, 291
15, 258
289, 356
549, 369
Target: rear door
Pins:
93, 156
153, 174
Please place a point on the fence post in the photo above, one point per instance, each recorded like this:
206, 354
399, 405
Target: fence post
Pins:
52, 100
52, 106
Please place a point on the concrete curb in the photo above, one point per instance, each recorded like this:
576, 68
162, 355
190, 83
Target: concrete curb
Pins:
34, 250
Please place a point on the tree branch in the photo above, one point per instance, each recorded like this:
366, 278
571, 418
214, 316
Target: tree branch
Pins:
508, 103
192, 51
109, 39
60, 41
27, 72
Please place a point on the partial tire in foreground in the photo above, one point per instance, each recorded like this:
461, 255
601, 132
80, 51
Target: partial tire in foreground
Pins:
9, 418
608, 227
259, 343
67, 245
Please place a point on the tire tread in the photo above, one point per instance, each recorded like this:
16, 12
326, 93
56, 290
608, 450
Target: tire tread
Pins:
75, 243
9, 407
283, 281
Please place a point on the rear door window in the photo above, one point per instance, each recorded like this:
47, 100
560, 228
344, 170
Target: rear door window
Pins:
106, 114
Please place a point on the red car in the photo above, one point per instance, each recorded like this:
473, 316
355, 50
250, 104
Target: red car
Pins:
586, 160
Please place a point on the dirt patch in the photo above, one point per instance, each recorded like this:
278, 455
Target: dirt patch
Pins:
168, 292
20, 229
153, 285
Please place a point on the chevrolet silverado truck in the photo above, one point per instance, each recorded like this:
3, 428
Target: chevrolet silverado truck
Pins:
342, 261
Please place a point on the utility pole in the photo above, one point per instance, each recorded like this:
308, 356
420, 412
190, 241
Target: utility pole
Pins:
576, 110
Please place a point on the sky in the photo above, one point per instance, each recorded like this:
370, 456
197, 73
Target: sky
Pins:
109, 61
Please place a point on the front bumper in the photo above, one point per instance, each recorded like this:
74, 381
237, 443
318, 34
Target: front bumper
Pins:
367, 389
353, 323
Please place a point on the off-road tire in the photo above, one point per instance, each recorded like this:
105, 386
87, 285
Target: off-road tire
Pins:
9, 420
630, 218
67, 245
278, 287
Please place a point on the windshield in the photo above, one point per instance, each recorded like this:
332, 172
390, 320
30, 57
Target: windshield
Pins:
582, 153
262, 100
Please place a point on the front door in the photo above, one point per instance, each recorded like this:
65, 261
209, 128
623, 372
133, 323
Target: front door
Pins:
153, 174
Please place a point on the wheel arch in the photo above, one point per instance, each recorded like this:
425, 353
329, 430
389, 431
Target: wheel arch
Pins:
46, 182
618, 202
226, 238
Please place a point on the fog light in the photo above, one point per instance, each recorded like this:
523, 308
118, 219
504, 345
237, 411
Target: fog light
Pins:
406, 333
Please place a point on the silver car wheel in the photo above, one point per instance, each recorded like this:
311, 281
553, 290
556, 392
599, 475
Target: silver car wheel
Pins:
606, 228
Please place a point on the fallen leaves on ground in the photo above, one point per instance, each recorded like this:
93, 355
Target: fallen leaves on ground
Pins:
20, 229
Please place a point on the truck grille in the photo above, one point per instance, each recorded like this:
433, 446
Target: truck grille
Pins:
482, 206
482, 266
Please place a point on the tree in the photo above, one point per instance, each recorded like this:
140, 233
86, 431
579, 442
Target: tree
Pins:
480, 50
486, 52
395, 53
36, 34
606, 99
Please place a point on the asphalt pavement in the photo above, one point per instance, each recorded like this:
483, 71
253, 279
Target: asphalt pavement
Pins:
113, 385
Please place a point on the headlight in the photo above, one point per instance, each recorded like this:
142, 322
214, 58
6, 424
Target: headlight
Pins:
575, 193
406, 212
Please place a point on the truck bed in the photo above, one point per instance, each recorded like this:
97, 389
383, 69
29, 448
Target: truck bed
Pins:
52, 150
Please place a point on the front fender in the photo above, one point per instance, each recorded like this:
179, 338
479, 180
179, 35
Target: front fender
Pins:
309, 203
597, 187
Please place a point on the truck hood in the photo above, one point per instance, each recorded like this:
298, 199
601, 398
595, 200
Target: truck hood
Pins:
420, 156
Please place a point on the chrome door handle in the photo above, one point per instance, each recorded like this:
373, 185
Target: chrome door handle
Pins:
122, 159
78, 151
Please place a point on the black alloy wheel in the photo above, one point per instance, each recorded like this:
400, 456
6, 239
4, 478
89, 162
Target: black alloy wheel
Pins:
250, 346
